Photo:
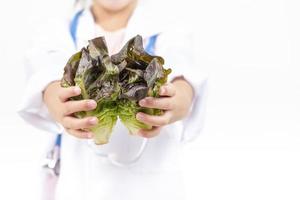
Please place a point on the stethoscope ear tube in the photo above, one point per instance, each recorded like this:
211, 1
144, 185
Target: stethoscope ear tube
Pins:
52, 160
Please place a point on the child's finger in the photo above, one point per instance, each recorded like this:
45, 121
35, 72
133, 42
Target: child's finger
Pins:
167, 90
66, 93
75, 123
80, 133
154, 120
77, 106
149, 133
164, 103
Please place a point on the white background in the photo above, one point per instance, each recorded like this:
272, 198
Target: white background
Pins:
250, 145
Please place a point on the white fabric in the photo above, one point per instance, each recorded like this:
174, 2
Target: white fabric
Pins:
84, 175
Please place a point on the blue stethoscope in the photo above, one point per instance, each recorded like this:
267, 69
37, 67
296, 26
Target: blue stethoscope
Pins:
52, 162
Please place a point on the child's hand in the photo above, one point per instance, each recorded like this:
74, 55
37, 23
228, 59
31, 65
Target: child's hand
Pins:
175, 99
62, 109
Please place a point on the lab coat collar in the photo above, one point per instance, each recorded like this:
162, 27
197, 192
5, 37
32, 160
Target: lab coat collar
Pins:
148, 19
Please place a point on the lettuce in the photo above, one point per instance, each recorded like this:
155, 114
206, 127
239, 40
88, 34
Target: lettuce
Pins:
116, 83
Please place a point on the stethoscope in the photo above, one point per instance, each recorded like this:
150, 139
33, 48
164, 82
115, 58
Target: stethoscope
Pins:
52, 162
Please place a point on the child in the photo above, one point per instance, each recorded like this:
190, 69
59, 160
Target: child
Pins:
128, 167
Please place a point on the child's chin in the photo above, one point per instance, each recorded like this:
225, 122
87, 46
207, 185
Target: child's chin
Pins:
113, 5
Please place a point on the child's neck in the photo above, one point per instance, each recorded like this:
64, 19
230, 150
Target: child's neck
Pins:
112, 20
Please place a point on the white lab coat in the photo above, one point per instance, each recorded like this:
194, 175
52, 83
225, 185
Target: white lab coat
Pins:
84, 174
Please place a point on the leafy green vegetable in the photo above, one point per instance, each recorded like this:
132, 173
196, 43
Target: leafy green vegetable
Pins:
116, 83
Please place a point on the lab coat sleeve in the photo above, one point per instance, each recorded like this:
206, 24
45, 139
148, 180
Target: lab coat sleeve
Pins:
44, 63
177, 47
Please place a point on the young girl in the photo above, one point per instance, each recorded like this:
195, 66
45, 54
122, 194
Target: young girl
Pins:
128, 167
